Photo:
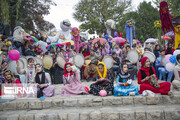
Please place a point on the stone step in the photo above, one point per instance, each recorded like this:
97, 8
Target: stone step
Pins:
130, 112
81, 101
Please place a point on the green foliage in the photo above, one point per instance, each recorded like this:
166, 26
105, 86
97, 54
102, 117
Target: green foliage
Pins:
144, 19
4, 7
26, 13
94, 13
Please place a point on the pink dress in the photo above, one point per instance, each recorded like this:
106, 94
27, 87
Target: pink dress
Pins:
77, 87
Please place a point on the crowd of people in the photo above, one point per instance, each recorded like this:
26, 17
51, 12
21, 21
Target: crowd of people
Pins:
115, 81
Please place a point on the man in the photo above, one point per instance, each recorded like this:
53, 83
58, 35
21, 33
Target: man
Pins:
160, 66
91, 68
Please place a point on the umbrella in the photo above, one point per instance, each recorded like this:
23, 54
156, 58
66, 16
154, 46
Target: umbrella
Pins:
137, 41
83, 44
101, 40
170, 34
33, 39
118, 40
165, 38
43, 45
151, 40
66, 42
54, 45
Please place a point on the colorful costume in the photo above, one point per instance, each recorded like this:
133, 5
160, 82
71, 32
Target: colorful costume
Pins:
106, 84
76, 38
165, 17
130, 24
177, 36
63, 34
124, 86
143, 72
72, 79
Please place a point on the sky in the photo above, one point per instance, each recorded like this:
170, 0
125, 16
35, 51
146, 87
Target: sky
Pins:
64, 10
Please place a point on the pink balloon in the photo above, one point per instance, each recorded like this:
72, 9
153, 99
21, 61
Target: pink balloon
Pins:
167, 57
14, 55
102, 93
170, 66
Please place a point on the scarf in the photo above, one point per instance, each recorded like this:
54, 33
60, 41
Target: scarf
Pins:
169, 50
143, 61
42, 81
65, 71
86, 50
105, 70
123, 75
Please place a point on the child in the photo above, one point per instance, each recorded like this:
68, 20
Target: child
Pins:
29, 71
71, 80
124, 83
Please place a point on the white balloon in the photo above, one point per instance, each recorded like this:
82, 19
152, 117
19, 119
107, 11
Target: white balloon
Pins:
170, 66
176, 52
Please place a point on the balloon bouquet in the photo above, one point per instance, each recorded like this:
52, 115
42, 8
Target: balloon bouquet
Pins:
171, 60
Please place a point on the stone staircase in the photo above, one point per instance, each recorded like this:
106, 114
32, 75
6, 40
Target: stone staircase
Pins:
89, 107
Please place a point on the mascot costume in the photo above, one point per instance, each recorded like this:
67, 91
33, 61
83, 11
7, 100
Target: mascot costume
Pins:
177, 36
166, 21
20, 36
63, 34
110, 26
76, 38
130, 25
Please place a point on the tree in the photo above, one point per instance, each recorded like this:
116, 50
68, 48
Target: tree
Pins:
27, 13
144, 19
174, 6
94, 13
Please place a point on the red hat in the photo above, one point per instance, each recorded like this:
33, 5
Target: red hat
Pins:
143, 60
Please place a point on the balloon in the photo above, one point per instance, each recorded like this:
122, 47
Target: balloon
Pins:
172, 59
167, 57
14, 55
102, 93
87, 89
176, 52
170, 66
164, 62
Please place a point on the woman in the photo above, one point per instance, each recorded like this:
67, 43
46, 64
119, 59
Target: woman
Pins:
118, 51
71, 80
104, 81
157, 51
43, 81
124, 83
86, 51
169, 49
107, 50
144, 75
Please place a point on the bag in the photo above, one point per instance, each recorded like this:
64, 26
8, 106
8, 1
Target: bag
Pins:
153, 82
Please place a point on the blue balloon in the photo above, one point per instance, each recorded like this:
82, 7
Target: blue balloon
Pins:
172, 59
